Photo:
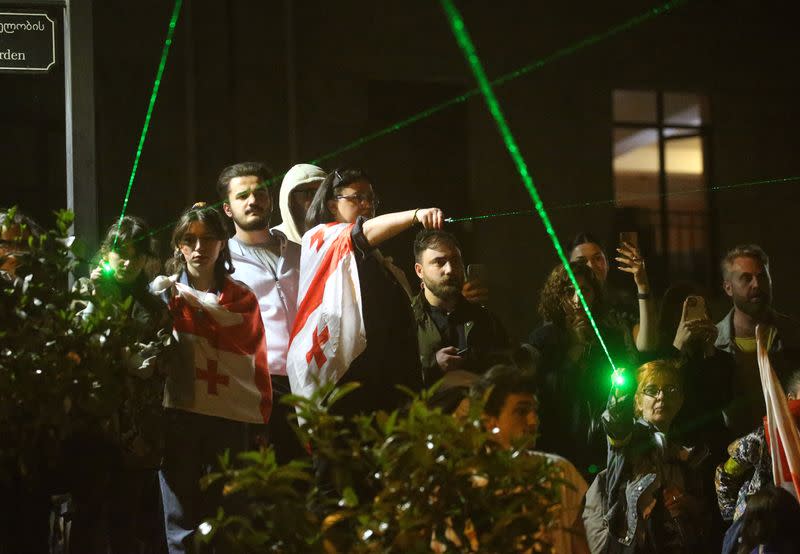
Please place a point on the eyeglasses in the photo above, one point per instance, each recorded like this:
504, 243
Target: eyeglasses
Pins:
360, 198
653, 390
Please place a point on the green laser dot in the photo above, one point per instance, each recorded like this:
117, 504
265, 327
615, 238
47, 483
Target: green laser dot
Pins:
106, 268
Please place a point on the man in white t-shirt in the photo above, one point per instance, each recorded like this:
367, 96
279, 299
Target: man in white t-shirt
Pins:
267, 261
510, 414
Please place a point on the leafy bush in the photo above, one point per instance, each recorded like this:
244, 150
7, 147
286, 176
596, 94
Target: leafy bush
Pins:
60, 372
416, 481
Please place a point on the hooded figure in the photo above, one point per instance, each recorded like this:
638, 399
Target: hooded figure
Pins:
297, 190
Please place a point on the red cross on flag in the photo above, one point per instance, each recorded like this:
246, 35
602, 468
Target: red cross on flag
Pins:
328, 331
781, 431
225, 335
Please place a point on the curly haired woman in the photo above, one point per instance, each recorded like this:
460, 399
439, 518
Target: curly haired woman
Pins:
574, 371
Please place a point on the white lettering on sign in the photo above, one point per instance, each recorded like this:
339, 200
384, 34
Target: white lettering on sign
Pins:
10, 28
14, 56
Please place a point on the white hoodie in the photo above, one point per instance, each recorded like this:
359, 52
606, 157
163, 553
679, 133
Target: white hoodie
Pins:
299, 174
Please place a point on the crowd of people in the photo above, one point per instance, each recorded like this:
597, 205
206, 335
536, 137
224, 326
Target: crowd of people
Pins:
670, 457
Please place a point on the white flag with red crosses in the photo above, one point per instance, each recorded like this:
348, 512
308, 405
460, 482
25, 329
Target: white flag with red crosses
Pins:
329, 330
782, 434
225, 334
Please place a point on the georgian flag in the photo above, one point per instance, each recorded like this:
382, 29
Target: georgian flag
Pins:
781, 432
223, 336
329, 330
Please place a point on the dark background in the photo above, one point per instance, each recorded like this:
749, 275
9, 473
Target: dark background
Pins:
227, 96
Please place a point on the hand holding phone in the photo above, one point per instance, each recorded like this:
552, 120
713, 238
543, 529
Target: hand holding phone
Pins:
476, 287
694, 307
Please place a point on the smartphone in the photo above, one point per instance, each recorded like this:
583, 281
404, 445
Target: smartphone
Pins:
694, 307
478, 272
631, 237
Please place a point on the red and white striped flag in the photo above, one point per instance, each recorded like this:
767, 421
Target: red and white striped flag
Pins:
781, 431
329, 330
226, 337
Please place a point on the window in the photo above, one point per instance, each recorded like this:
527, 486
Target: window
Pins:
660, 174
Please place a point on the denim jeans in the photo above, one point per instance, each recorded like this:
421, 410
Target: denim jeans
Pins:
193, 443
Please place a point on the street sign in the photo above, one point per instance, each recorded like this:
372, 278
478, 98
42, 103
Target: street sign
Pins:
27, 42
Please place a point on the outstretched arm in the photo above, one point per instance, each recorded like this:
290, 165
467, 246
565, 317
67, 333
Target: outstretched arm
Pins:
383, 227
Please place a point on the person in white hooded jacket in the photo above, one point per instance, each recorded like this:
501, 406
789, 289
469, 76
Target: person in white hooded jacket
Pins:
268, 261
297, 191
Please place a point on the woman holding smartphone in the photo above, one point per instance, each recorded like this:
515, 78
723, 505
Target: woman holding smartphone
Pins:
586, 248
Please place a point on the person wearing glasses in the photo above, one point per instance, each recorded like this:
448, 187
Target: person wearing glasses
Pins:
653, 490
384, 347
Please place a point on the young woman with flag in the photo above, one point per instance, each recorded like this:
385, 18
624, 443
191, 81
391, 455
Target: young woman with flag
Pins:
354, 320
217, 377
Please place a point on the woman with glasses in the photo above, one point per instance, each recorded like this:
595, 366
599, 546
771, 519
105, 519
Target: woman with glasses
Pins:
653, 493
345, 204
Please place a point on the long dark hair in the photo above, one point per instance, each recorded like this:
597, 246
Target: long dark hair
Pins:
772, 518
135, 231
318, 212
213, 220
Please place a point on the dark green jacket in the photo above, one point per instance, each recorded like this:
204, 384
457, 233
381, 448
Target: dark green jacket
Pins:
485, 336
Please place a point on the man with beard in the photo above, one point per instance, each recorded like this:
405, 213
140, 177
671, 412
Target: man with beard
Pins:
269, 263
746, 279
454, 335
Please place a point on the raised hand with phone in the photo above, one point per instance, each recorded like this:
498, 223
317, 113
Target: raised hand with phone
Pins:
630, 260
696, 332
476, 287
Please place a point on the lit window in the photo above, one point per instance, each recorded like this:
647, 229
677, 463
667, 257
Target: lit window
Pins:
660, 173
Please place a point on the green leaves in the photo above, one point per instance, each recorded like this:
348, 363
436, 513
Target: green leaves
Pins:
61, 369
391, 482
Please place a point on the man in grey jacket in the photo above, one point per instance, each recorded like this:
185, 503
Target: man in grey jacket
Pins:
747, 281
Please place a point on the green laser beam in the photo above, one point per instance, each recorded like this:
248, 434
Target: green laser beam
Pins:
503, 79
173, 21
468, 49
613, 201
575, 205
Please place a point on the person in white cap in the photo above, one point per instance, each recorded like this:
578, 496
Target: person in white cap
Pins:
297, 191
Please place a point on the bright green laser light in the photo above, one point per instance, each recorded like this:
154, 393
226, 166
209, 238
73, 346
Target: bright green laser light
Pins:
397, 126
618, 378
503, 79
468, 49
106, 268
615, 201
176, 10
